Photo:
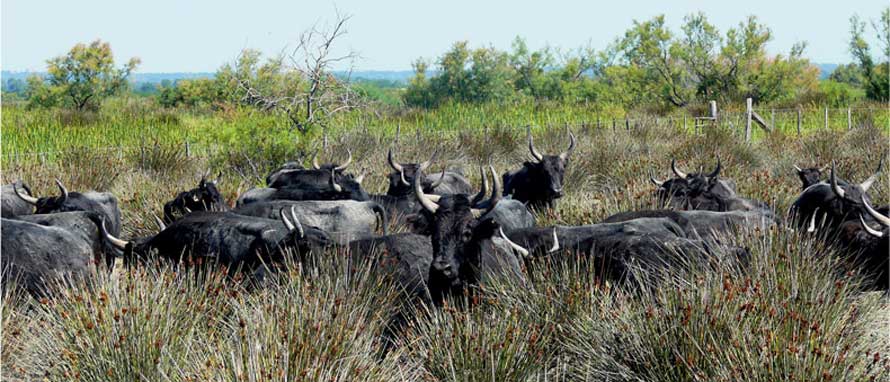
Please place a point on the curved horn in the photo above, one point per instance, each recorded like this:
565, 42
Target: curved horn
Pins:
871, 231
218, 178
188, 210
883, 220
833, 178
426, 164
285, 220
438, 182
798, 169
27, 198
555, 246
426, 202
495, 190
118, 243
160, 223
823, 168
392, 163
62, 190
396, 166
531, 146
334, 184
484, 190
348, 161
812, 225
716, 171
871, 180
296, 221
516, 247
565, 155
677, 172
360, 178
315, 161
653, 180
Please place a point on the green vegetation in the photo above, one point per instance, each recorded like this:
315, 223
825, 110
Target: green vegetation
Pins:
80, 79
792, 311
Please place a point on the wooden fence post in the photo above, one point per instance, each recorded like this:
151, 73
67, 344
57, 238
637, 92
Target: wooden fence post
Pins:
749, 108
772, 117
826, 118
685, 129
626, 123
188, 150
798, 122
849, 120
613, 125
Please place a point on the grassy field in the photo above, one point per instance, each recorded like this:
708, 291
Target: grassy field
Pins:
789, 316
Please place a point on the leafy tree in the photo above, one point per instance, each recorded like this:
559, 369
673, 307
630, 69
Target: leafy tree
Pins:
82, 78
876, 76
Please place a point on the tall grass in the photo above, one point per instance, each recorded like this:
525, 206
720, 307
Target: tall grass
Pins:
788, 312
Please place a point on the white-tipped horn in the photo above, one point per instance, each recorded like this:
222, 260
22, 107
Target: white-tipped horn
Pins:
812, 226
531, 146
516, 247
315, 164
296, 221
871, 231
653, 180
439, 181
424, 200
555, 246
62, 190
881, 219
285, 220
833, 179
798, 169
120, 244
334, 184
360, 178
348, 161
27, 198
160, 223
677, 172
565, 155
396, 166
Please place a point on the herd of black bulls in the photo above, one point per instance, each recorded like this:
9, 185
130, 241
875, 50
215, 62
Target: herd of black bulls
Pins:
457, 238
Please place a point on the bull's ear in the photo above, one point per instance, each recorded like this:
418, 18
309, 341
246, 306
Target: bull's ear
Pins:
485, 228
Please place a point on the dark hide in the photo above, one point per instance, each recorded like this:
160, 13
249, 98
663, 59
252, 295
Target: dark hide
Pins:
205, 197
343, 220
228, 239
13, 205
85, 226
537, 184
35, 255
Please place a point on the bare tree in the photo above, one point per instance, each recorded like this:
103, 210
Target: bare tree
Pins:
323, 94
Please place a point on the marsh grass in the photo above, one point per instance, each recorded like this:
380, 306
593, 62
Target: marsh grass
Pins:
790, 311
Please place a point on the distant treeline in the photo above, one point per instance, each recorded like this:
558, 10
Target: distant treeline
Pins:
649, 66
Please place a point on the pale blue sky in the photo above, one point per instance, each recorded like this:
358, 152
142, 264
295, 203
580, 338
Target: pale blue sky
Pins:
170, 35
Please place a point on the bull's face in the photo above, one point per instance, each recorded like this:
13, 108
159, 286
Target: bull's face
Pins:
400, 181
809, 176
50, 204
451, 229
452, 222
548, 174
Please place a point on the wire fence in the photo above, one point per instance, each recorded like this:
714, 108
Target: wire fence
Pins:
783, 120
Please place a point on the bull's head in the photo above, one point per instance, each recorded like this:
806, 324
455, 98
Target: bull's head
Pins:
455, 228
403, 175
547, 172
47, 204
848, 197
883, 221
809, 176
697, 190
